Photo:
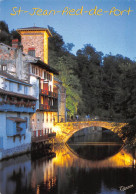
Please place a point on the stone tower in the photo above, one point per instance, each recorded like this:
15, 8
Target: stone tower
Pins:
35, 42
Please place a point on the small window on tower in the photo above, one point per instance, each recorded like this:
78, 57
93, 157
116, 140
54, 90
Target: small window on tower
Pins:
31, 51
4, 67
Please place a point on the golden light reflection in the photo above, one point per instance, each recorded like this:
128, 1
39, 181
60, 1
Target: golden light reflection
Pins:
37, 191
47, 171
65, 158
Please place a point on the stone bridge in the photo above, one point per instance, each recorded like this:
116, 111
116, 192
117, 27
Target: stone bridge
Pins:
65, 130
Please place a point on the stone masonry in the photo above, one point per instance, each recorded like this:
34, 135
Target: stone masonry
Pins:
65, 130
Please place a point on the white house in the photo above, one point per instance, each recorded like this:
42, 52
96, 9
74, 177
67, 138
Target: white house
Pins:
16, 106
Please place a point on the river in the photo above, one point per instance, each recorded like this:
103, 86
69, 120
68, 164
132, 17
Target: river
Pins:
92, 162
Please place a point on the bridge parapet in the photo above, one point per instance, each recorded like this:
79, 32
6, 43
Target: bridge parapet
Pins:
65, 130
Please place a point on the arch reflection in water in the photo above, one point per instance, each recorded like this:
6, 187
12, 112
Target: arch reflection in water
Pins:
66, 174
95, 143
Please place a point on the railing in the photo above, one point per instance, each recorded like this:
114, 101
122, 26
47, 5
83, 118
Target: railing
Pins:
42, 137
44, 92
19, 103
52, 134
48, 108
53, 94
48, 93
54, 108
44, 107
17, 106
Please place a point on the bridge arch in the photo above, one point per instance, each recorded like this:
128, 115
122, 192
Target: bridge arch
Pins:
65, 130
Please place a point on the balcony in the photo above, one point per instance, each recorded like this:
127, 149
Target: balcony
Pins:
44, 92
53, 94
48, 93
17, 106
41, 138
48, 108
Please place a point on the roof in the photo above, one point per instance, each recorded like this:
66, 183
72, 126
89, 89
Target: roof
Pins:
17, 94
34, 61
2, 44
45, 66
12, 78
35, 28
16, 119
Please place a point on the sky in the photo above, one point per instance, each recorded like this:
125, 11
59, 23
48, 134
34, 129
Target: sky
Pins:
102, 23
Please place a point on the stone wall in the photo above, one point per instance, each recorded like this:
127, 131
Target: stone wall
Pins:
65, 130
17, 63
15, 151
60, 116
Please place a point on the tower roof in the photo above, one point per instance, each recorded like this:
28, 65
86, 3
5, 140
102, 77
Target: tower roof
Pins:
34, 28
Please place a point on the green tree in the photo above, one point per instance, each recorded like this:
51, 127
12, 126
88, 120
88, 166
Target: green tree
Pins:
89, 72
70, 82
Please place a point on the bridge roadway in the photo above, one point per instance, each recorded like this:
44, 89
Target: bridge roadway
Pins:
65, 130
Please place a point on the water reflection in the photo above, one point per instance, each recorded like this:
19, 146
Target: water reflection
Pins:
96, 145
67, 173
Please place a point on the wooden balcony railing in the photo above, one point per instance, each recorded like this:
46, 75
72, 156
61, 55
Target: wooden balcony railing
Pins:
44, 107
44, 92
43, 137
48, 93
19, 103
53, 94
48, 108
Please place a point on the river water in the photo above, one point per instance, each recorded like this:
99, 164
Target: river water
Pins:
92, 162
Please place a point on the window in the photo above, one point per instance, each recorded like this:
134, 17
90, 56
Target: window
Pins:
50, 88
50, 102
37, 71
11, 86
26, 121
40, 72
4, 67
33, 69
48, 76
26, 90
43, 118
19, 87
47, 117
31, 51
45, 75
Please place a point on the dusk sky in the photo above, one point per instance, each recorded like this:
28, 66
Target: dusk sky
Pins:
106, 32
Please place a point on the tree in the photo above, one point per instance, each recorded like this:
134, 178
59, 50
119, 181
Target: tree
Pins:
89, 72
5, 36
70, 82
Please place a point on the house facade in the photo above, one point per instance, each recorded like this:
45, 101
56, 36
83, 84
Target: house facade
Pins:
35, 43
16, 106
31, 100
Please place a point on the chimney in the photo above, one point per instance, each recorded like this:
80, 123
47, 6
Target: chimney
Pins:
15, 43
